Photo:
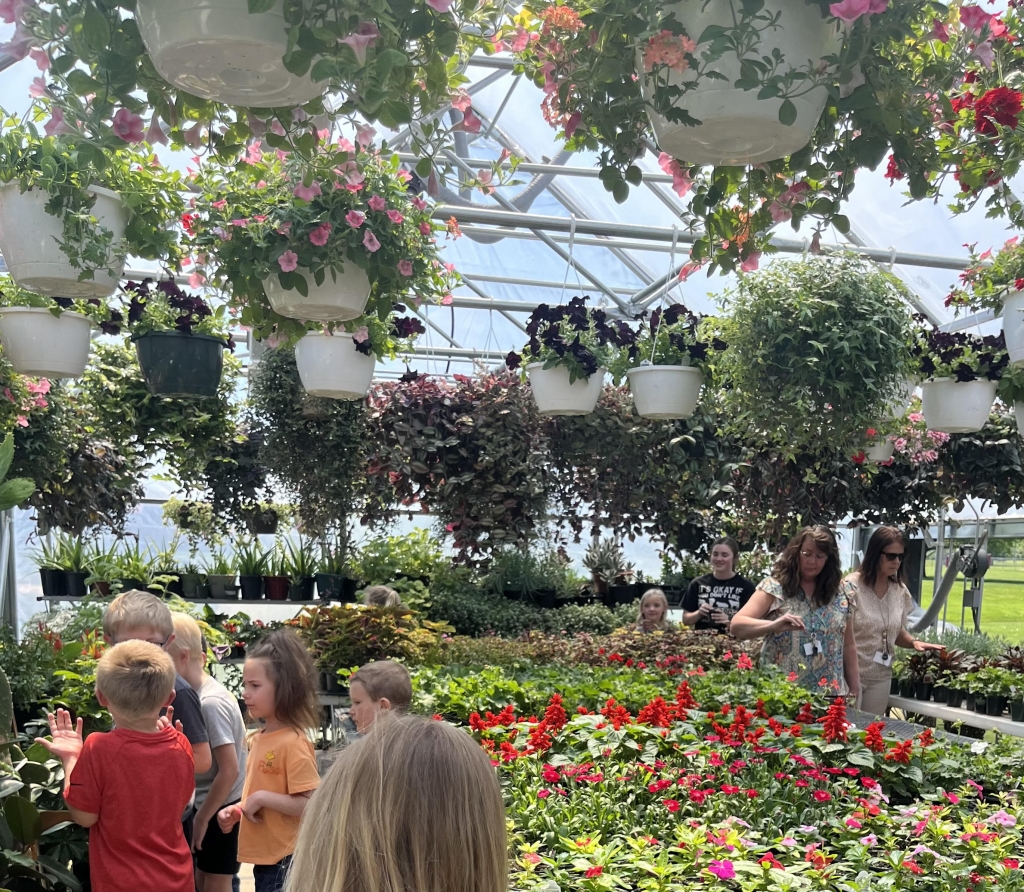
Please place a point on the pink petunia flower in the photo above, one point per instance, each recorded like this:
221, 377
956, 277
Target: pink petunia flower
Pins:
850, 10
974, 18
320, 235
364, 136
377, 203
750, 264
355, 219
440, 5
307, 193
196, 280
37, 88
425, 229
288, 261
370, 242
395, 217
405, 267
253, 154
220, 204
156, 134
681, 181
446, 301
56, 125
359, 43
361, 335
461, 101
419, 203
470, 122
129, 126
40, 58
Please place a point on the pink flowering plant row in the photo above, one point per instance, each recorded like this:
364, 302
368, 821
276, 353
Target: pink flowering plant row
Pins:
917, 86
693, 787
304, 220
392, 61
65, 167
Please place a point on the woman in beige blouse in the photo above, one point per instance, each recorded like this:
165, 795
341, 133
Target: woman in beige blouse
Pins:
880, 604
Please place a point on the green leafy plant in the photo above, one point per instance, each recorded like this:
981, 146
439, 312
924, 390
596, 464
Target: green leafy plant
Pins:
416, 555
133, 561
300, 558
815, 349
17, 489
218, 563
989, 278
250, 558
606, 563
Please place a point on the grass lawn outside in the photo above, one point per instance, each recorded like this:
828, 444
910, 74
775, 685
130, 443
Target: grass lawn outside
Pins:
1002, 606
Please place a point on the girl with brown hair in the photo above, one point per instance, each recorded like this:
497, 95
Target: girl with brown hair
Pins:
803, 616
881, 603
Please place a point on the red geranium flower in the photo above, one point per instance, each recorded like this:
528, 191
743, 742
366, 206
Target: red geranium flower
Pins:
1000, 105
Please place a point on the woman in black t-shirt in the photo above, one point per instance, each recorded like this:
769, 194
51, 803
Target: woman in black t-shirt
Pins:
711, 601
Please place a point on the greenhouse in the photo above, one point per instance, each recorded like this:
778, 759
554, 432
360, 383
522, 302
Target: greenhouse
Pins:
450, 446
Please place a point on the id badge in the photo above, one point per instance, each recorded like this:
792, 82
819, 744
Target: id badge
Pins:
883, 659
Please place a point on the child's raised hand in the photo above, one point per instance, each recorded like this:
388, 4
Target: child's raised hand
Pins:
165, 720
67, 737
228, 817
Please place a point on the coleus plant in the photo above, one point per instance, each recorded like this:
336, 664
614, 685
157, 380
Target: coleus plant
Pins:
581, 339
926, 85
302, 221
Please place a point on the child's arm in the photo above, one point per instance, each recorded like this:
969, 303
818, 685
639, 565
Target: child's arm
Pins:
227, 774
66, 744
287, 804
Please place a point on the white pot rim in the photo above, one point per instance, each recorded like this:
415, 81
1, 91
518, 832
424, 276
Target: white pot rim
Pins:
35, 310
664, 368
950, 380
96, 190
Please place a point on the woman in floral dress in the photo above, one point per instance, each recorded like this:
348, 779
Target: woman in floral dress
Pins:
804, 617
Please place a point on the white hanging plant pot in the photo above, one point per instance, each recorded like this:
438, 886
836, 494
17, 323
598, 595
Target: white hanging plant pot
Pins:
1018, 413
736, 127
29, 241
556, 396
665, 391
877, 452
337, 300
330, 366
1013, 326
42, 345
957, 407
217, 50
904, 398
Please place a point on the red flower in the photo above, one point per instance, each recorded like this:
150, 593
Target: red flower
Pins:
900, 752
770, 861
873, 737
912, 866
1011, 863
543, 794
617, 715
822, 796
835, 722
1000, 105
656, 713
550, 775
671, 804
684, 698
555, 716
892, 171
806, 715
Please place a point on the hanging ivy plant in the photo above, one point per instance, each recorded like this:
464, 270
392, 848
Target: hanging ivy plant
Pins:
314, 448
816, 350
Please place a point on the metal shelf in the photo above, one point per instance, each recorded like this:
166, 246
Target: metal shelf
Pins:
955, 714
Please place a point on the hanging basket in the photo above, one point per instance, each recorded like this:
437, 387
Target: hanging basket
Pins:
217, 50
957, 407
180, 365
665, 391
556, 396
337, 300
904, 398
878, 452
1018, 413
736, 127
29, 241
40, 344
1013, 326
330, 366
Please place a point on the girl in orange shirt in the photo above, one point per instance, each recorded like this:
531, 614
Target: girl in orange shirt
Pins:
279, 689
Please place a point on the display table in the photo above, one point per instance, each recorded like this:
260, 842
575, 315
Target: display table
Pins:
955, 714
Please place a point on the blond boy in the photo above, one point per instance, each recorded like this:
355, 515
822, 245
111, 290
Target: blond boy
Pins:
381, 685
216, 852
129, 786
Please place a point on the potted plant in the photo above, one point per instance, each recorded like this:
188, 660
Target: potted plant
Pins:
179, 339
276, 581
334, 581
252, 563
961, 373
301, 566
134, 567
220, 576
516, 574
996, 282
567, 355
610, 572
70, 554
193, 583
815, 348
619, 75
51, 570
330, 236
878, 447
71, 213
668, 381
264, 518
47, 337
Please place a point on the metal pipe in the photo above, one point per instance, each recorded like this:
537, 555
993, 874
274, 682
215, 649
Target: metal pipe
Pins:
534, 168
535, 283
547, 224
457, 353
491, 62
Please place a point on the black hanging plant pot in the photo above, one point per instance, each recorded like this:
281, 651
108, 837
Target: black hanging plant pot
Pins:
179, 365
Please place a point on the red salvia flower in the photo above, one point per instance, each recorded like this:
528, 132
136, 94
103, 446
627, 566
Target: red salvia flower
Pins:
873, 737
900, 752
555, 716
835, 723
806, 715
656, 714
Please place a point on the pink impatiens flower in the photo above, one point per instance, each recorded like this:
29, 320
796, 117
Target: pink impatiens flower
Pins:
129, 126
405, 267
320, 235
355, 219
307, 193
377, 203
370, 242
288, 261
